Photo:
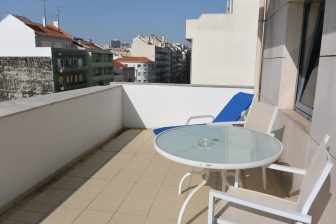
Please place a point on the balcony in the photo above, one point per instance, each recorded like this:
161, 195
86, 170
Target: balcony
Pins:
64, 69
87, 156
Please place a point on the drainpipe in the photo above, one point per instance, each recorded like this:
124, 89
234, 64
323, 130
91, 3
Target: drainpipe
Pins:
259, 53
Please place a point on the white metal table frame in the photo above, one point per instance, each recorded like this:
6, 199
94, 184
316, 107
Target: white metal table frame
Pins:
212, 166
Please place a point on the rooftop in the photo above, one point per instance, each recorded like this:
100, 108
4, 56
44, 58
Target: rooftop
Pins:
133, 59
48, 30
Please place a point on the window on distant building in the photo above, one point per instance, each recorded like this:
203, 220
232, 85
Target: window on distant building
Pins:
309, 55
61, 81
139, 65
139, 73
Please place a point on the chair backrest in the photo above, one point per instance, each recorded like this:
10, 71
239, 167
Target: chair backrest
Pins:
261, 117
317, 172
235, 107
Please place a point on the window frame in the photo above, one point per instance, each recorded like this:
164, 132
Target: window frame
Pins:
305, 65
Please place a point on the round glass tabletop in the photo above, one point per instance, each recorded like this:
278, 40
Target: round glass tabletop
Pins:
218, 147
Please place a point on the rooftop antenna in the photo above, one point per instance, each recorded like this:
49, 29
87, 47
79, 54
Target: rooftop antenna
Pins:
45, 13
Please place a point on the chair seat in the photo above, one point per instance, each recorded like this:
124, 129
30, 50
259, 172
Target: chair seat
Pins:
240, 214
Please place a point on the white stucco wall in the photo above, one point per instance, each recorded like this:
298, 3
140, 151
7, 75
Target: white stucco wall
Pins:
18, 40
41, 134
151, 106
224, 46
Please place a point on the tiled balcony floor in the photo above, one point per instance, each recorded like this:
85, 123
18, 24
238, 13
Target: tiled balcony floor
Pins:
125, 182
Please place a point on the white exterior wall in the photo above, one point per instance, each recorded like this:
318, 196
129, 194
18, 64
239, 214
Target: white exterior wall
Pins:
300, 137
152, 106
40, 135
18, 40
224, 46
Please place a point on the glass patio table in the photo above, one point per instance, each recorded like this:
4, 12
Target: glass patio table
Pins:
216, 148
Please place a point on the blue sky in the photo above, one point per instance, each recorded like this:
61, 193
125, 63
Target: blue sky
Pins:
103, 20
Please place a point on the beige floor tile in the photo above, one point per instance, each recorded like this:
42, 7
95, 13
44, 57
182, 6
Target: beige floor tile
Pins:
126, 218
52, 196
139, 162
117, 188
107, 203
118, 161
144, 190
173, 179
69, 183
153, 220
152, 177
179, 168
82, 171
167, 209
94, 161
62, 215
167, 204
129, 176
93, 185
27, 216
136, 206
38, 207
93, 217
116, 145
105, 173
79, 200
159, 164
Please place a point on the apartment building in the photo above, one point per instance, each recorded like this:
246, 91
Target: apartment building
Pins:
123, 73
155, 49
39, 59
27, 55
144, 68
224, 45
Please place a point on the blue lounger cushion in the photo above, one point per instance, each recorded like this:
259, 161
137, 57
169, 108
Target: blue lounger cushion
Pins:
231, 112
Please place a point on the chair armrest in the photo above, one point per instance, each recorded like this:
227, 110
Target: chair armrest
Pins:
200, 116
288, 169
258, 206
229, 123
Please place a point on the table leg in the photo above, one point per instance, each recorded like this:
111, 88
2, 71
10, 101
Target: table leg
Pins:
185, 203
224, 181
187, 175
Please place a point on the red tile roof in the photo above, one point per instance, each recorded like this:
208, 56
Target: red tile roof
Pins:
48, 30
133, 59
117, 64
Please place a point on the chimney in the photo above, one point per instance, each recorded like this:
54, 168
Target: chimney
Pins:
163, 39
56, 23
44, 21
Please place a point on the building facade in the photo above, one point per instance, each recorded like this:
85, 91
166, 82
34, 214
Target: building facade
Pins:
123, 73
224, 45
70, 69
154, 49
39, 59
144, 68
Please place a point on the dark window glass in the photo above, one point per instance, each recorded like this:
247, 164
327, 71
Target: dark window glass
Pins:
309, 55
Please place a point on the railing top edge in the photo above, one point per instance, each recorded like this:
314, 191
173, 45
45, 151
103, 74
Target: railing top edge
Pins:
187, 85
9, 108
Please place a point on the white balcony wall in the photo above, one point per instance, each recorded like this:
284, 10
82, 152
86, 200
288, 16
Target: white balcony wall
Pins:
40, 135
150, 106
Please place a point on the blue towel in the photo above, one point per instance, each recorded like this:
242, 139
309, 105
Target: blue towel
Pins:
231, 112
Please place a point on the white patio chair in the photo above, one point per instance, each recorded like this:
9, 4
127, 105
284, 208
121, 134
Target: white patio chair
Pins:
246, 206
